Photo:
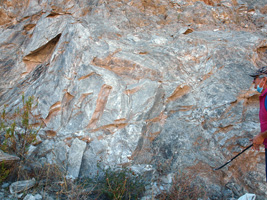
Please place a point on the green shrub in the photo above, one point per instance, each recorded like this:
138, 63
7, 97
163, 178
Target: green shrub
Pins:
4, 172
122, 184
19, 129
117, 184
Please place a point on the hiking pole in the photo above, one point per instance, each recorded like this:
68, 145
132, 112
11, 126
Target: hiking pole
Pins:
234, 157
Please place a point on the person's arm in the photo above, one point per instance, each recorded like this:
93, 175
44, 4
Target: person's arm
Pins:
258, 140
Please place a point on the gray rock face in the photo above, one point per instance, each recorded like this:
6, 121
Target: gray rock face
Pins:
75, 158
140, 82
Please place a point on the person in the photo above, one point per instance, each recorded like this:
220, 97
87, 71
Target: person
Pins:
260, 84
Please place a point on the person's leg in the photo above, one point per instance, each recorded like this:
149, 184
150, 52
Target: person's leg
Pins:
266, 164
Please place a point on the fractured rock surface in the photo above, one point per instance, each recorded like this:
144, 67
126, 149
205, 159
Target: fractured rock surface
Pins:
140, 83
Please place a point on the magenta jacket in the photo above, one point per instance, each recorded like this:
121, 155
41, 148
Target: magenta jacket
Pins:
263, 114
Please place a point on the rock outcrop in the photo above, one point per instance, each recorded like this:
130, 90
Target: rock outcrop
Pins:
141, 83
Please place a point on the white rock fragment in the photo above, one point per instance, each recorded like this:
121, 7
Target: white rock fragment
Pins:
75, 157
21, 186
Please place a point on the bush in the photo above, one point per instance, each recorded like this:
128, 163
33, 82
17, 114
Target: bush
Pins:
4, 172
122, 184
183, 189
19, 129
117, 184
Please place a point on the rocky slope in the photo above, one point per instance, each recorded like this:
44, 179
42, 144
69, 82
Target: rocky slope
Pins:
141, 83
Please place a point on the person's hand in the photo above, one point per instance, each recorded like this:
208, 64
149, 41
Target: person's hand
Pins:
257, 141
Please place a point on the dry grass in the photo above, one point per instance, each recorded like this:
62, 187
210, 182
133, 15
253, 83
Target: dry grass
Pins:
183, 188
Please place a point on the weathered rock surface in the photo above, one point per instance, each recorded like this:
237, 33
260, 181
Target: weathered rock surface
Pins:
7, 158
75, 158
21, 186
141, 82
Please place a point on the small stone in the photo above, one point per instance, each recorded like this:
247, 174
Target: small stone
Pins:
38, 197
5, 185
21, 186
7, 158
29, 197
